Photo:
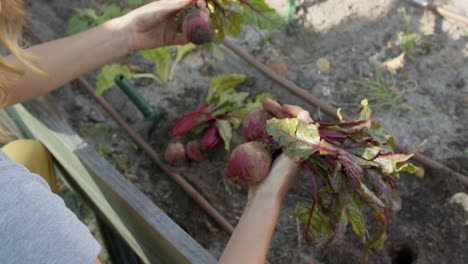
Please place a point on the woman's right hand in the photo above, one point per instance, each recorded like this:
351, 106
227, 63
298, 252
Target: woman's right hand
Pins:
283, 170
155, 24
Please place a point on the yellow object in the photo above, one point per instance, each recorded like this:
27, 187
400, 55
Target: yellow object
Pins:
323, 65
34, 156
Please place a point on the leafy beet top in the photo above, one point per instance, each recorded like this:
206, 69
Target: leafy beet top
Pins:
351, 165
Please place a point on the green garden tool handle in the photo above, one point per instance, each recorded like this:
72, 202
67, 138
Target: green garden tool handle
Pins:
145, 108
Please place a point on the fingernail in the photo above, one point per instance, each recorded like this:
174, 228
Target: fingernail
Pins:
303, 116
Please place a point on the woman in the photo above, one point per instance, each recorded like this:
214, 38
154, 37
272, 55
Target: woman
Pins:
35, 225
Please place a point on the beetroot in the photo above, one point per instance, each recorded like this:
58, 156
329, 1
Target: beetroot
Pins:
197, 26
254, 124
249, 163
211, 137
175, 153
194, 151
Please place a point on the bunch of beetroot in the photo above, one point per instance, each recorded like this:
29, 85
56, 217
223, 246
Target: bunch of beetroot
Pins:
222, 112
351, 165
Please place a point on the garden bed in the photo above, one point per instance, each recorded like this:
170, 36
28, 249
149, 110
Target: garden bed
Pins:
424, 105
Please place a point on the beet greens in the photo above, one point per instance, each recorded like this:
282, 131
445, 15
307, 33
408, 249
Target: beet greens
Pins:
350, 164
222, 112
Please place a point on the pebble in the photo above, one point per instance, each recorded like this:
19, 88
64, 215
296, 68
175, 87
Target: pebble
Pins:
323, 65
278, 66
461, 199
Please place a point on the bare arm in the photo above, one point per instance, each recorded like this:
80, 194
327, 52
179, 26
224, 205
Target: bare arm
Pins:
150, 26
252, 236
67, 58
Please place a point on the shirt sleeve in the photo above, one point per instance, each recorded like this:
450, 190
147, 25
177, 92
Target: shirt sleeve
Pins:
35, 224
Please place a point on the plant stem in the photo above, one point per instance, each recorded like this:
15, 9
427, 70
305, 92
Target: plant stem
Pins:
147, 75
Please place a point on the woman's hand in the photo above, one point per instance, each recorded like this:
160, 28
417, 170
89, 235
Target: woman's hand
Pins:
155, 24
284, 170
251, 238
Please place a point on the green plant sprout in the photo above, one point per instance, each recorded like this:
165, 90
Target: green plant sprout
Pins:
164, 64
409, 41
86, 18
383, 93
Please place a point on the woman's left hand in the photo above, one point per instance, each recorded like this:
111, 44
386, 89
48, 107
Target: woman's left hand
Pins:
155, 24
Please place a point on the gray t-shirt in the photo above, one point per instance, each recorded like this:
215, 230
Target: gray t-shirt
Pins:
35, 225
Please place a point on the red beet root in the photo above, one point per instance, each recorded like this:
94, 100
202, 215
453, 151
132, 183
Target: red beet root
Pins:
254, 124
175, 153
210, 138
197, 27
194, 152
249, 163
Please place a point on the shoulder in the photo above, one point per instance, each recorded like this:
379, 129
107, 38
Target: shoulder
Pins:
37, 225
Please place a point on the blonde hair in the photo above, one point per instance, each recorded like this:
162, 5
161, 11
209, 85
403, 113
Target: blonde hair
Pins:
6, 135
12, 18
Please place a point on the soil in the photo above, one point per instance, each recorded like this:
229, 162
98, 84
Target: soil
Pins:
429, 115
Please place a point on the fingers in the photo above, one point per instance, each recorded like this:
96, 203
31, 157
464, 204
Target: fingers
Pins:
274, 108
201, 4
286, 110
305, 117
292, 110
179, 40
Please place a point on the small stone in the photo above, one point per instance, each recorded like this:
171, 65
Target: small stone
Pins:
461, 199
130, 176
278, 66
420, 174
323, 65
326, 91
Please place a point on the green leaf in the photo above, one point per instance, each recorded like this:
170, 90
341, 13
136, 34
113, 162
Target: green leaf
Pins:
366, 111
354, 217
109, 12
236, 122
371, 152
252, 105
87, 12
320, 224
296, 137
105, 79
388, 163
199, 129
264, 16
135, 3
215, 51
338, 114
232, 100
161, 57
368, 195
378, 133
221, 82
225, 131
229, 22
407, 167
378, 238
83, 19
181, 51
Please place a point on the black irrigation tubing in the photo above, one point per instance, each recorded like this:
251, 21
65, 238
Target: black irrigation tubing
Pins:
329, 109
152, 154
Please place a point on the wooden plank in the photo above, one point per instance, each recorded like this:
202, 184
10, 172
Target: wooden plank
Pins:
145, 227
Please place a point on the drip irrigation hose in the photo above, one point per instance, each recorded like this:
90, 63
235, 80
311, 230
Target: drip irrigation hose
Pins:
152, 154
141, 143
329, 109
442, 11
